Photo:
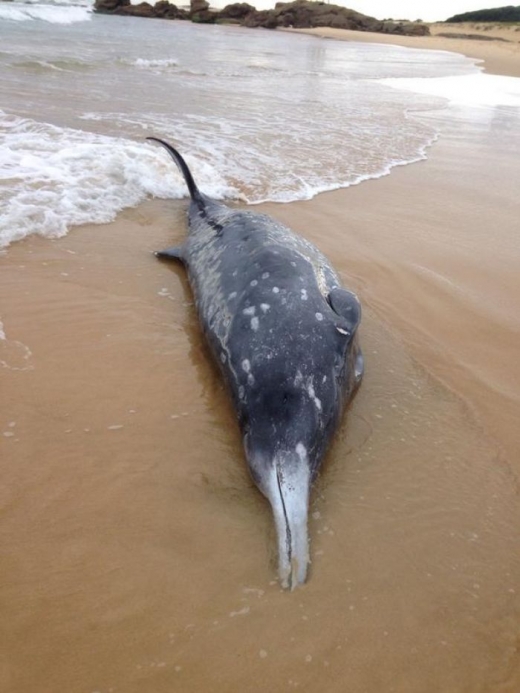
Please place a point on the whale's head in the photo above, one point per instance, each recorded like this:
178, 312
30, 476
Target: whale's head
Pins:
291, 396
289, 424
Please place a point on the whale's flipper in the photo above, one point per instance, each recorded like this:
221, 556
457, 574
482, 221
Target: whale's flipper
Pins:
183, 168
346, 304
173, 253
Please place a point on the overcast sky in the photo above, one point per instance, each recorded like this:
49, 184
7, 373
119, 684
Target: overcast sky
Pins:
427, 10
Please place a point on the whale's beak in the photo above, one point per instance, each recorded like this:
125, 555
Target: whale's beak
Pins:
288, 492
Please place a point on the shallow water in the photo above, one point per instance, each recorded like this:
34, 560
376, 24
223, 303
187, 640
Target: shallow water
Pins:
260, 115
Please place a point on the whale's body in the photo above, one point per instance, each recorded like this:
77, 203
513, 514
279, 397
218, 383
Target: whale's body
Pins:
283, 332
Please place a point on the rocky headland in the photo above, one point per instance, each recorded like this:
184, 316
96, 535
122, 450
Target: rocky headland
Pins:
299, 14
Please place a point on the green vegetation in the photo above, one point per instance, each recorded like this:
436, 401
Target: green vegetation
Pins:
498, 14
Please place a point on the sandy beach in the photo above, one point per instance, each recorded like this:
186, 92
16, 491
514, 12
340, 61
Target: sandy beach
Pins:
500, 56
138, 556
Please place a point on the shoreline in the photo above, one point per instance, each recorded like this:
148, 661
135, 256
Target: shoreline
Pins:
498, 57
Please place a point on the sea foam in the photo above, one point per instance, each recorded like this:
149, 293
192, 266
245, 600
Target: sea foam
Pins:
54, 178
158, 63
55, 14
478, 89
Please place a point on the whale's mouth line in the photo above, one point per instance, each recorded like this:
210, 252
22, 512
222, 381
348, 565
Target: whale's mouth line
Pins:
288, 535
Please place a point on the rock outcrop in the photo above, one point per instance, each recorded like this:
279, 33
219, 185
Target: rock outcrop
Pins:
161, 10
300, 14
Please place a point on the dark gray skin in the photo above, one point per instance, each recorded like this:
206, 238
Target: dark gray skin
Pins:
283, 332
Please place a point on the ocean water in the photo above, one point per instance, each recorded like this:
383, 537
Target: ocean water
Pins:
259, 115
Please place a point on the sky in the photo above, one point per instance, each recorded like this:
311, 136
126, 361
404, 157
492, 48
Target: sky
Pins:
427, 10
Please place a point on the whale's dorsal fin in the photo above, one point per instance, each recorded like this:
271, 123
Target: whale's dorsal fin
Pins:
195, 193
174, 253
346, 304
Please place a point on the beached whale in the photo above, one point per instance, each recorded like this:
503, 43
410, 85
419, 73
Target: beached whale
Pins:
283, 332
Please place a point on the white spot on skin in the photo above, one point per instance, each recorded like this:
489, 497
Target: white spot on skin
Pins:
341, 330
254, 282
301, 451
265, 275
255, 322
276, 290
249, 311
264, 307
304, 294
312, 395
324, 379
223, 357
298, 378
233, 294
241, 391
250, 379
246, 365
319, 316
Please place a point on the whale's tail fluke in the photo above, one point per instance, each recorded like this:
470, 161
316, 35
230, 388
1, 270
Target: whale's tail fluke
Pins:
195, 193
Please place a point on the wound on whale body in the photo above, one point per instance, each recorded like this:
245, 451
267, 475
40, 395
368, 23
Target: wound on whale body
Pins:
283, 332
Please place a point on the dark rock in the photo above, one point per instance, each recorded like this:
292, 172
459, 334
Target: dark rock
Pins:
303, 13
204, 17
261, 18
200, 12
198, 6
110, 6
416, 29
166, 10
144, 9
298, 14
236, 11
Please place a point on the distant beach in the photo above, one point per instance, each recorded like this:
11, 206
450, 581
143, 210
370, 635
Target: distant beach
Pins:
137, 554
498, 47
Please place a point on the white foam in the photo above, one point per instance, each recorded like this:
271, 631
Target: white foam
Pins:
238, 145
479, 89
53, 178
167, 62
292, 168
55, 14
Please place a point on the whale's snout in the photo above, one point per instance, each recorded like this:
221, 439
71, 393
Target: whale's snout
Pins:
286, 483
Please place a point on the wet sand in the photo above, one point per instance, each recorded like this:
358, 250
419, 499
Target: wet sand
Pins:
500, 56
138, 556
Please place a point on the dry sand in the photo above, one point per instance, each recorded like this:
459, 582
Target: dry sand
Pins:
137, 555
